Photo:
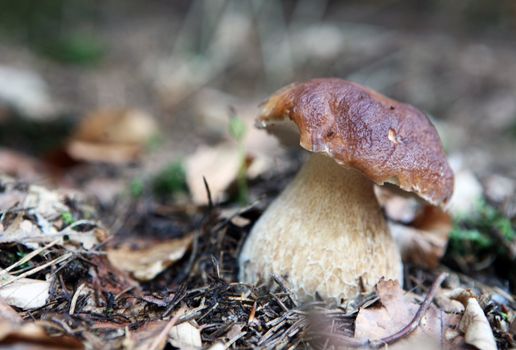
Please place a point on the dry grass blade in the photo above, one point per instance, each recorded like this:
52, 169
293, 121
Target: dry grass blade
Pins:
37, 269
31, 255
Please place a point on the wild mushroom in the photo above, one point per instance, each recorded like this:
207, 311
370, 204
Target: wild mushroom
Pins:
325, 232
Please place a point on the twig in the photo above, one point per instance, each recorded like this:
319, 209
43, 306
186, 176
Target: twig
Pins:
208, 192
281, 282
402, 333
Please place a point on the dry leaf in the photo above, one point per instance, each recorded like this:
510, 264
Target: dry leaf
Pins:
421, 231
185, 336
144, 337
218, 164
396, 311
112, 136
476, 328
25, 293
424, 241
14, 334
147, 261
7, 313
153, 335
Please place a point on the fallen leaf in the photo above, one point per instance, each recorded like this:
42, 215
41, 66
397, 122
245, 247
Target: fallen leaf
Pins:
153, 335
147, 261
447, 303
218, 164
109, 279
185, 336
420, 230
25, 293
395, 312
475, 326
144, 337
424, 241
16, 334
112, 136
8, 313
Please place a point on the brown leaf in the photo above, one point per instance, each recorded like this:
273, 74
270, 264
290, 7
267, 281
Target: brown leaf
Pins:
145, 337
218, 164
396, 311
15, 334
8, 313
421, 230
153, 335
110, 279
112, 136
147, 261
424, 241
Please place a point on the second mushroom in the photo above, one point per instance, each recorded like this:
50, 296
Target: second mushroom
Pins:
325, 233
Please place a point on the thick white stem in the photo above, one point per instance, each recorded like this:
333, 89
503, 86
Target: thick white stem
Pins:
325, 233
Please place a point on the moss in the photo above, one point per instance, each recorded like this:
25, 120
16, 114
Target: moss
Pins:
472, 234
171, 180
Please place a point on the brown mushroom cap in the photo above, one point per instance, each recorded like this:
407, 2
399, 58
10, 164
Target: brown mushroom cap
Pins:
386, 140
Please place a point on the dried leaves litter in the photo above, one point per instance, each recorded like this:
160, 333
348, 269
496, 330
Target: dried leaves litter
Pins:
168, 278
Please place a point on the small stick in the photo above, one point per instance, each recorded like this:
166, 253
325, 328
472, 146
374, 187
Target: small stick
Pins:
281, 282
402, 333
208, 192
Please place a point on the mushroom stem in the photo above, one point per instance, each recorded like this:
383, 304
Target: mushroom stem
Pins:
325, 233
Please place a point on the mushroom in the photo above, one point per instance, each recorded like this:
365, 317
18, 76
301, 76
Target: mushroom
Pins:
325, 233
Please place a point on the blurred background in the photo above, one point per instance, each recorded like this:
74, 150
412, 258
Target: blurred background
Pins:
74, 74
144, 105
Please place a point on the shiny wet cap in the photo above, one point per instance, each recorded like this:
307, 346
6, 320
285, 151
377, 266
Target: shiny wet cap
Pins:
388, 141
